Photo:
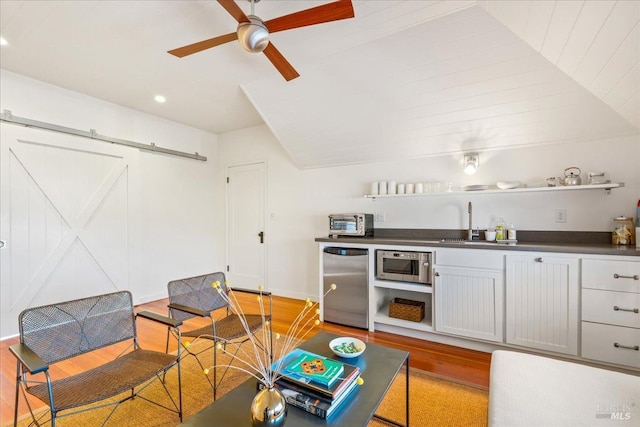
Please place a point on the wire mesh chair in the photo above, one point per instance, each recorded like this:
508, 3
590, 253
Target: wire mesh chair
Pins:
194, 297
56, 332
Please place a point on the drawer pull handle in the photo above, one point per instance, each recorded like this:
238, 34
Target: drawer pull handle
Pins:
539, 259
635, 347
634, 277
632, 310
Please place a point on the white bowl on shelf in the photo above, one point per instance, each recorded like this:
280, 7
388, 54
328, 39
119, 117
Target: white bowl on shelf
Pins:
337, 342
475, 187
507, 185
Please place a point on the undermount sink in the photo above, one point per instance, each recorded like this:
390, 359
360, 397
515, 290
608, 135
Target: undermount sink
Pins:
466, 242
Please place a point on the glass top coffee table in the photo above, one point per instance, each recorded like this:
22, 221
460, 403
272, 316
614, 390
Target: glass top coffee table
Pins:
379, 366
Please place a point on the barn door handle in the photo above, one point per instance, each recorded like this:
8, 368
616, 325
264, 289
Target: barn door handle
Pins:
3, 243
261, 235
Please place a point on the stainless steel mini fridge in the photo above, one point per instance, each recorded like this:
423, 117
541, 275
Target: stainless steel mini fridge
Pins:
348, 268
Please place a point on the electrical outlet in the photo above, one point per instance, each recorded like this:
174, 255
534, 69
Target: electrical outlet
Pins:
561, 215
380, 217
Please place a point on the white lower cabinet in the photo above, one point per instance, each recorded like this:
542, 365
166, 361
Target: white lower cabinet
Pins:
574, 304
611, 311
542, 300
611, 343
469, 294
469, 302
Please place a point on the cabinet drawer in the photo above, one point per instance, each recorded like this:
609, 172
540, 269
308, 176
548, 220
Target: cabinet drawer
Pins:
612, 275
613, 308
599, 343
469, 258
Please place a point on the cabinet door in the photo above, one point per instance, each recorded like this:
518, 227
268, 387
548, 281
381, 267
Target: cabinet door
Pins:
468, 302
542, 302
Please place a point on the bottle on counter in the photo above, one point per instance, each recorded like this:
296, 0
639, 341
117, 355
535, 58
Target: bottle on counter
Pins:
500, 230
511, 233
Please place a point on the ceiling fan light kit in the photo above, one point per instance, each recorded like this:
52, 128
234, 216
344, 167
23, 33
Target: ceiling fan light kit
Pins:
253, 33
253, 36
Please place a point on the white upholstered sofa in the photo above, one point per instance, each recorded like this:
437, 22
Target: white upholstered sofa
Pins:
529, 390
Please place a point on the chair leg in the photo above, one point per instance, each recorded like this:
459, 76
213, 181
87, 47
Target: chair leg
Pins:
18, 379
215, 370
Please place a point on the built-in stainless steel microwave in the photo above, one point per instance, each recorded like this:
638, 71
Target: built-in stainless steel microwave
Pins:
351, 224
404, 266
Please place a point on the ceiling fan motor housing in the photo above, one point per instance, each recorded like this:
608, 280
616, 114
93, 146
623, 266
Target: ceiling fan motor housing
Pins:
253, 36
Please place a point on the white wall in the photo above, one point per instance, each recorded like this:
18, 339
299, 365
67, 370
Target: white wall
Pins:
300, 200
174, 224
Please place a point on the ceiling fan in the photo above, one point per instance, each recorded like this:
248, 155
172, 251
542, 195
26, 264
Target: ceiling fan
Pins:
253, 32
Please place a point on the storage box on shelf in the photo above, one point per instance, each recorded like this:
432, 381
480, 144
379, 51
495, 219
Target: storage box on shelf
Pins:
406, 309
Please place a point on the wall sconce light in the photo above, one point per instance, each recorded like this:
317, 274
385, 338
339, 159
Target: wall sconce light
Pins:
471, 163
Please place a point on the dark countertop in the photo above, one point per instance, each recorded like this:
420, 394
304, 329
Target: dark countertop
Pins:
578, 248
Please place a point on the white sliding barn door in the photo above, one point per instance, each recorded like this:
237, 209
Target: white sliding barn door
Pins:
64, 216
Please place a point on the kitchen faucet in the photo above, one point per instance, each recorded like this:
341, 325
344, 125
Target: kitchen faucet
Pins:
470, 234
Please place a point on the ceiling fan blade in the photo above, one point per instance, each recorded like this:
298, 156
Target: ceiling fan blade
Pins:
341, 9
234, 10
281, 64
203, 45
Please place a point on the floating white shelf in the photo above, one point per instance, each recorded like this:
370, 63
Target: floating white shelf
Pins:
493, 190
424, 289
424, 325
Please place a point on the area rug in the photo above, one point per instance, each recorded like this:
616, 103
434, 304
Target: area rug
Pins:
433, 402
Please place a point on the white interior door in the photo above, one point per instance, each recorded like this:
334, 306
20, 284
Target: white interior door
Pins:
246, 236
63, 214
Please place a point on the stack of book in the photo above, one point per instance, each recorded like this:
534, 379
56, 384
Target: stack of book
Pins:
314, 383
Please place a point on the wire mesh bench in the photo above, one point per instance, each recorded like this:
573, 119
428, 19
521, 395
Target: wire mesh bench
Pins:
56, 332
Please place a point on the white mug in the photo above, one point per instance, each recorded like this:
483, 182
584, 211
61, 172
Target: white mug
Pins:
409, 189
392, 187
383, 187
400, 188
374, 188
419, 188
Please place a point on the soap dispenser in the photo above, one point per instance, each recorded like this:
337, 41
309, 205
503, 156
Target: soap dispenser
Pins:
500, 229
511, 233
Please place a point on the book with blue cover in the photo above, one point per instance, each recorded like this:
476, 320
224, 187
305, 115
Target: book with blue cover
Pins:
350, 374
309, 368
312, 404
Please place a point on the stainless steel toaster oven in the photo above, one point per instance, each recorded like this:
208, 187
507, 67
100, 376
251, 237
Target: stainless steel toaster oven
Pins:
351, 224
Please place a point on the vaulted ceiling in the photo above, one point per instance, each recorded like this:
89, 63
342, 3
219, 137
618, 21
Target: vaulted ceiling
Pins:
401, 79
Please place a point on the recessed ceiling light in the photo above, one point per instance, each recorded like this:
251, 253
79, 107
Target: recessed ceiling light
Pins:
3, 41
160, 99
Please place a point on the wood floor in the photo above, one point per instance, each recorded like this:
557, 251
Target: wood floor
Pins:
464, 365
